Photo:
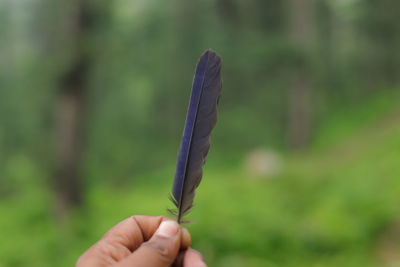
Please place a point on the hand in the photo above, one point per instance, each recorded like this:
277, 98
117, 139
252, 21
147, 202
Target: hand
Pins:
142, 241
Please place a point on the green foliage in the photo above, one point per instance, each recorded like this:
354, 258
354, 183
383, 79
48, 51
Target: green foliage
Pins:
327, 208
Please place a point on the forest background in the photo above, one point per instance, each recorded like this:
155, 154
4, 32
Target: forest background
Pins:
304, 163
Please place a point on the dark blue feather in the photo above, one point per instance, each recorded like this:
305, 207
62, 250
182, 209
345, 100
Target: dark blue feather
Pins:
200, 120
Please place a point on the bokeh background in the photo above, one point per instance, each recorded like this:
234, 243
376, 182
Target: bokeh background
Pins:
304, 166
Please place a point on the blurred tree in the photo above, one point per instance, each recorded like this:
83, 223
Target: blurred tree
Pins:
380, 24
71, 111
326, 44
228, 10
82, 21
301, 33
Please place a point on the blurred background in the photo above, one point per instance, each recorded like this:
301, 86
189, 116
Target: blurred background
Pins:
304, 163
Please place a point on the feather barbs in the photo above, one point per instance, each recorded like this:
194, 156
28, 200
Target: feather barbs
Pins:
200, 120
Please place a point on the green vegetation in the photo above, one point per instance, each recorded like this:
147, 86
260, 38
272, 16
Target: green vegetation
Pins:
328, 207
93, 96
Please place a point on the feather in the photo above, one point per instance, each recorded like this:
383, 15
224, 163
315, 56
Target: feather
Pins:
201, 118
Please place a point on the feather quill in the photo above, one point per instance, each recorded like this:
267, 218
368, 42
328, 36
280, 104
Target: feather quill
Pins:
201, 118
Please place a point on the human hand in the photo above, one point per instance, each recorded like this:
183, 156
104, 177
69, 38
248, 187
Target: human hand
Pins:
142, 241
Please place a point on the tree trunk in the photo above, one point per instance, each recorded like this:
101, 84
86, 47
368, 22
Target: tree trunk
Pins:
381, 24
301, 34
71, 115
227, 10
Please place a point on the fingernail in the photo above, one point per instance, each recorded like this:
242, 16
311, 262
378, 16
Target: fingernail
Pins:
200, 264
200, 260
167, 229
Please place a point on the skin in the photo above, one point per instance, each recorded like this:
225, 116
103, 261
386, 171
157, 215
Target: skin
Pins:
139, 241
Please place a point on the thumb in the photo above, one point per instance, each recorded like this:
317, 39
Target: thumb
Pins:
160, 251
